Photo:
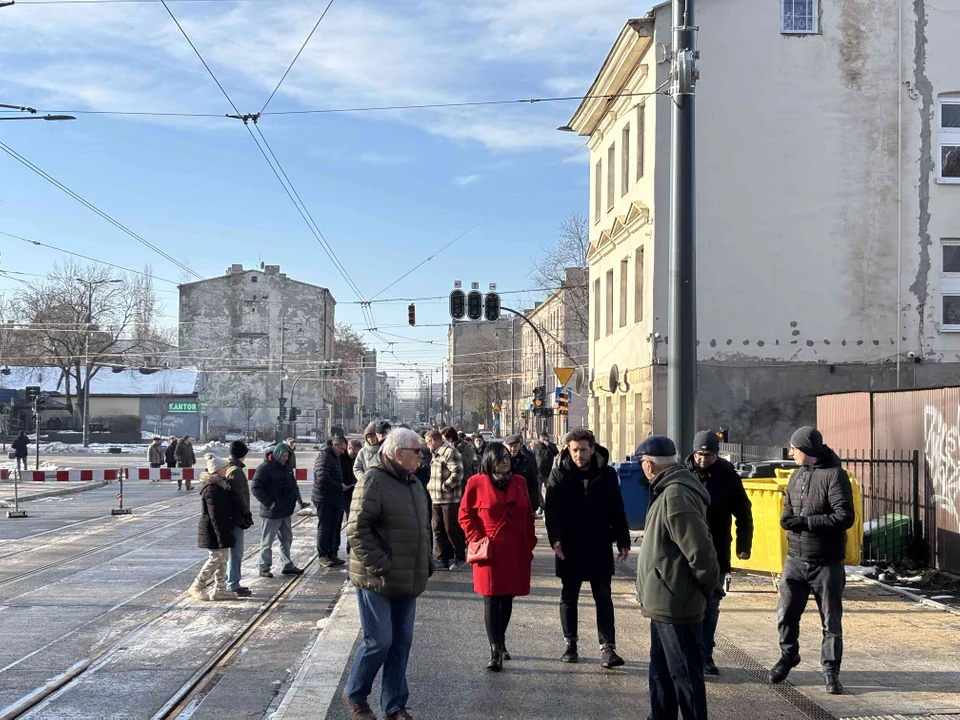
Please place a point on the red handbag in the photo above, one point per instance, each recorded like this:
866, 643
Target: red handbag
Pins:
480, 552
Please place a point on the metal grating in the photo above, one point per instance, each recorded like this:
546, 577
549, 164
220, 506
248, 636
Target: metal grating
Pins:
951, 716
787, 692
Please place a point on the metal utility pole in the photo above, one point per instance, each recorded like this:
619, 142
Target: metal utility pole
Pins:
86, 357
280, 415
540, 423
682, 347
443, 399
513, 376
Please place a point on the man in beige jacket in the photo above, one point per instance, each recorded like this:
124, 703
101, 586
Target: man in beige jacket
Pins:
445, 489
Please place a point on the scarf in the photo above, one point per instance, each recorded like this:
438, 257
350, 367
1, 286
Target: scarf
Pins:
501, 482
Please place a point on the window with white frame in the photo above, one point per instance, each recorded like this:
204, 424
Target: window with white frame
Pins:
950, 284
948, 157
799, 17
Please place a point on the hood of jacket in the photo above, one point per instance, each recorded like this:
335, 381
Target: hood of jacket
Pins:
674, 475
600, 459
828, 459
210, 479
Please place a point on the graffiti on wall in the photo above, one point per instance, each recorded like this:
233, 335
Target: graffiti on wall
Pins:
942, 453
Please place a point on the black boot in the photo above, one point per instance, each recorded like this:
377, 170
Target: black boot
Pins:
832, 684
503, 650
783, 667
570, 655
496, 659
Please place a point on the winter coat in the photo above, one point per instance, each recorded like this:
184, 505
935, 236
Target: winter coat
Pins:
586, 519
365, 458
292, 460
346, 470
525, 466
186, 458
170, 454
446, 476
274, 484
219, 515
240, 486
327, 476
155, 454
728, 500
19, 446
389, 533
482, 508
544, 455
677, 569
822, 495
471, 463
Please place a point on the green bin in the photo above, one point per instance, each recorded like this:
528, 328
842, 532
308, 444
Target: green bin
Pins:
886, 537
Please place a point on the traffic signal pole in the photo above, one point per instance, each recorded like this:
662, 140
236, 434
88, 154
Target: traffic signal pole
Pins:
543, 348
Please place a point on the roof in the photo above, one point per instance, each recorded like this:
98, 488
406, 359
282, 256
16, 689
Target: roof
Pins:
106, 382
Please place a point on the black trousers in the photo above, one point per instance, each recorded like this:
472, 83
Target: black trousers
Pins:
328, 526
826, 582
570, 598
451, 542
497, 610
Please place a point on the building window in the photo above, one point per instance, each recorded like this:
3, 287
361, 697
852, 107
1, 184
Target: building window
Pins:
799, 17
596, 309
624, 264
611, 174
950, 284
597, 185
609, 316
641, 134
625, 161
948, 159
253, 278
638, 286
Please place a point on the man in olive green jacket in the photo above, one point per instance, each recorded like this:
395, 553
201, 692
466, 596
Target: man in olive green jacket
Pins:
390, 563
677, 572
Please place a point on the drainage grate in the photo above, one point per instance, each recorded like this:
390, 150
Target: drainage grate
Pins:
786, 691
950, 716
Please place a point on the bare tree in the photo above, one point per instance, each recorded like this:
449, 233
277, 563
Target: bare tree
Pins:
484, 373
348, 350
162, 397
249, 406
569, 250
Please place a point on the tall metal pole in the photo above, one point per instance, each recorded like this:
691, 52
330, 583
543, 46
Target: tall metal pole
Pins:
682, 347
513, 376
443, 399
543, 348
86, 360
283, 337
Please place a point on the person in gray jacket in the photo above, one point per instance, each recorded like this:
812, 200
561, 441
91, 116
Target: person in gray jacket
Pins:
374, 435
677, 572
390, 563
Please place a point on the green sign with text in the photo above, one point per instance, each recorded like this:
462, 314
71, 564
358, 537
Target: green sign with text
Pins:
182, 406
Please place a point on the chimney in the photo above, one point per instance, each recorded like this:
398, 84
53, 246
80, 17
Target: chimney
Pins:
271, 269
235, 269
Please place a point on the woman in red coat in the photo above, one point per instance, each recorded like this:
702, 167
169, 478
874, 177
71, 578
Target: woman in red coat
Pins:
496, 505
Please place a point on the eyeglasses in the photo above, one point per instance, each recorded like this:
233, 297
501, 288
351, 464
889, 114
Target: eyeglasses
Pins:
416, 450
704, 454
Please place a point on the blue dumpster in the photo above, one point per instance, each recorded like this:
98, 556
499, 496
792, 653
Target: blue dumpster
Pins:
636, 492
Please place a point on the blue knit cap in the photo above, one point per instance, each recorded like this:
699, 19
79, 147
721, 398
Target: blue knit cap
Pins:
657, 446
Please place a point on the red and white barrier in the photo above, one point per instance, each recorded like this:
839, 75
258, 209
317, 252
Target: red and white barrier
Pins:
92, 475
160, 474
299, 473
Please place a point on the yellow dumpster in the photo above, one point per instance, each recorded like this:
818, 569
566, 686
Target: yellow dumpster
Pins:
769, 539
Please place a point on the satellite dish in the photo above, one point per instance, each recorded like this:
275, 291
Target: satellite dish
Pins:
614, 377
262, 264
578, 379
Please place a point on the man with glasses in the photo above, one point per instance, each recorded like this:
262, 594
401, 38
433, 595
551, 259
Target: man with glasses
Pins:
728, 500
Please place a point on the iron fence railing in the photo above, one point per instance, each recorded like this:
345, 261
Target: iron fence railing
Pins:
743, 452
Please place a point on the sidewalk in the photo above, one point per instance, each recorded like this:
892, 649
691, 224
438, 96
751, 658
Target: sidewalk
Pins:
36, 491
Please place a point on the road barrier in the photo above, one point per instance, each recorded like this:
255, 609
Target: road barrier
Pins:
161, 474
92, 475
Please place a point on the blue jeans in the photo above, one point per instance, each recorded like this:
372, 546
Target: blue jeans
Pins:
676, 672
387, 637
270, 530
236, 557
710, 619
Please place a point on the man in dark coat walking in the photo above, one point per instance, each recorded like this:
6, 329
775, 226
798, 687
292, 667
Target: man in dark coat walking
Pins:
523, 464
544, 453
817, 512
328, 497
728, 500
19, 446
347, 459
170, 454
584, 516
275, 487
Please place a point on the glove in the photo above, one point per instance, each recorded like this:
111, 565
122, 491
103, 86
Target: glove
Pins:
796, 523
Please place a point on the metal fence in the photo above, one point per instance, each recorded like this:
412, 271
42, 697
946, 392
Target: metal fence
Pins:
742, 452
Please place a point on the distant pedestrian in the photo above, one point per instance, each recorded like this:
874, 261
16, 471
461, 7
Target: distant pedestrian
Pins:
728, 500
479, 445
349, 482
545, 452
390, 563
19, 446
523, 464
275, 487
374, 436
155, 453
239, 485
446, 488
328, 498
423, 471
468, 454
496, 506
186, 458
677, 574
584, 515
215, 530
817, 512
170, 454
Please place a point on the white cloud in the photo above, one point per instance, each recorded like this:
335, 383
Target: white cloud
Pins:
373, 158
464, 180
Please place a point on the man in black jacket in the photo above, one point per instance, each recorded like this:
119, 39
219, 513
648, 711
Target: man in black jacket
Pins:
170, 454
728, 500
347, 459
19, 445
584, 516
544, 453
524, 465
328, 497
817, 511
275, 487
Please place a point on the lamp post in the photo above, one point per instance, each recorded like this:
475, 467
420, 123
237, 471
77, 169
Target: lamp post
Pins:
32, 111
86, 355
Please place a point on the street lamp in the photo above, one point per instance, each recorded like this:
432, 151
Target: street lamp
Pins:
86, 353
32, 111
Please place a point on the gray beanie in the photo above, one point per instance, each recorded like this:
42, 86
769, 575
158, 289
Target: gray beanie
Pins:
214, 463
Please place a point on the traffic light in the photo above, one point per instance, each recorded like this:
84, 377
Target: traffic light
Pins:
31, 392
563, 402
458, 301
412, 314
294, 413
722, 434
491, 307
538, 395
474, 305
283, 410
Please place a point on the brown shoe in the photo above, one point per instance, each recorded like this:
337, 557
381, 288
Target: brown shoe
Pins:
400, 714
358, 711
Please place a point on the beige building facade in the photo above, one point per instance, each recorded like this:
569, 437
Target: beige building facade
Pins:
828, 212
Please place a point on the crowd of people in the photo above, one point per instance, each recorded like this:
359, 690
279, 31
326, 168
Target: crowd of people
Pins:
414, 505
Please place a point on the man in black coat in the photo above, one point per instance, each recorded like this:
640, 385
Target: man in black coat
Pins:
584, 517
275, 487
544, 453
523, 464
817, 512
328, 497
19, 446
170, 454
728, 500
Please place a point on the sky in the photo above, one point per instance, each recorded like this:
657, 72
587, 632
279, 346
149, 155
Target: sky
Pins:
387, 189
